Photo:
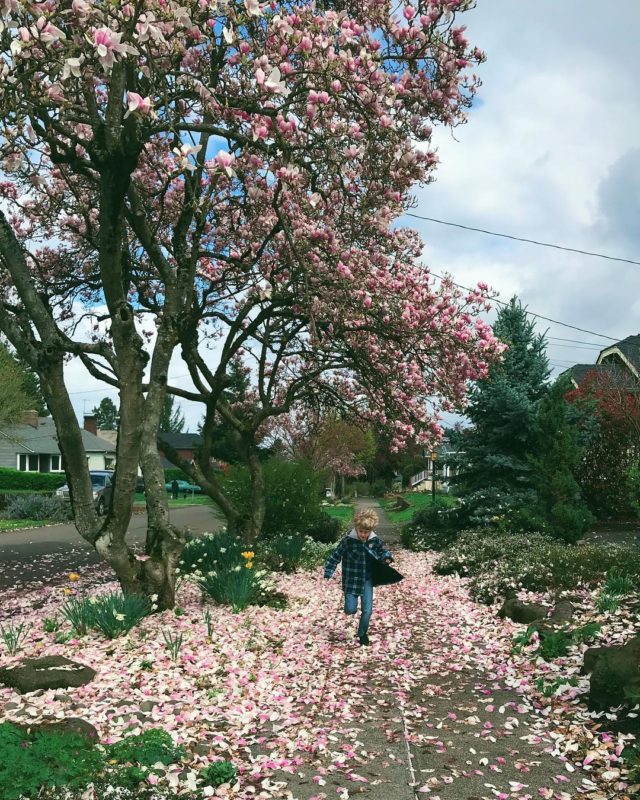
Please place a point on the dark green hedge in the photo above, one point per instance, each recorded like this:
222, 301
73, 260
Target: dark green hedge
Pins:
173, 472
36, 481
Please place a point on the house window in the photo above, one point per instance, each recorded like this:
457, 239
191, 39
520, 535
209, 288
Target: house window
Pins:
39, 463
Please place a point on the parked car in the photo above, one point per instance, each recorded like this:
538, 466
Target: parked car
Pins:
101, 484
184, 487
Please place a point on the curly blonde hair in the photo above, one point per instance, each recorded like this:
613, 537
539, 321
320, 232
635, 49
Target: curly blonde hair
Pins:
366, 519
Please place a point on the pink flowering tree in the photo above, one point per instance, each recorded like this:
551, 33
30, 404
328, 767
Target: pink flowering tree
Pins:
222, 178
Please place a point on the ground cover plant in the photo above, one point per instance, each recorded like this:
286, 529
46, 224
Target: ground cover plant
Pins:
37, 507
34, 764
500, 564
432, 527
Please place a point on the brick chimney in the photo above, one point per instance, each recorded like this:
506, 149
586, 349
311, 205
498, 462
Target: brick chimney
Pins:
90, 424
30, 418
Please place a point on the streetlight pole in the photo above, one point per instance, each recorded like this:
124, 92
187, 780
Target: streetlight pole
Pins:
434, 456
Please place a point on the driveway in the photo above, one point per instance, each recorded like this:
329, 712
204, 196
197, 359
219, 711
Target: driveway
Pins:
40, 556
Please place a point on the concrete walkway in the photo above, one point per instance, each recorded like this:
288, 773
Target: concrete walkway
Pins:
428, 719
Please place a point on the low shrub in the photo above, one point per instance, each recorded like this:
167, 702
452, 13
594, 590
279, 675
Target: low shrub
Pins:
324, 528
218, 773
512, 512
38, 506
282, 553
292, 495
431, 528
500, 564
556, 644
289, 553
314, 554
174, 473
16, 479
113, 614
146, 749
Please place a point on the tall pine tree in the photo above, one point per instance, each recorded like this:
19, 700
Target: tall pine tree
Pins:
171, 418
106, 414
503, 410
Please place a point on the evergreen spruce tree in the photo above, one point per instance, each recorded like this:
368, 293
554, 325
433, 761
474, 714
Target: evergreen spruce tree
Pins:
106, 414
494, 471
553, 469
503, 409
20, 388
171, 418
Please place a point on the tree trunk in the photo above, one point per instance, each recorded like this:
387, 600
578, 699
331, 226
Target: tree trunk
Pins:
252, 527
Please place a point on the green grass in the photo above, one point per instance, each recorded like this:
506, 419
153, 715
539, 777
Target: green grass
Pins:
343, 513
27, 491
418, 501
196, 500
13, 524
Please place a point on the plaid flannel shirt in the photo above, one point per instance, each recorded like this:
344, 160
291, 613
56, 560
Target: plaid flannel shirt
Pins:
353, 553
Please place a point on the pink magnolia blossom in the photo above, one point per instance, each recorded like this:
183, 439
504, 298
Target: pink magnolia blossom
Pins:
107, 44
143, 105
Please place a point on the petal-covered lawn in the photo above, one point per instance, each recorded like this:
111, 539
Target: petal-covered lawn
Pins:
286, 695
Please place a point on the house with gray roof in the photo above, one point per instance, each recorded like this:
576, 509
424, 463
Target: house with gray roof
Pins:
619, 361
32, 446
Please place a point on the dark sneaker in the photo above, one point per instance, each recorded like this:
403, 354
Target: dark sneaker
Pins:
364, 639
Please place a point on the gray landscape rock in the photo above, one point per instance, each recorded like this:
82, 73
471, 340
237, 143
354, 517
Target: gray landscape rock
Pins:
49, 672
70, 725
525, 613
615, 673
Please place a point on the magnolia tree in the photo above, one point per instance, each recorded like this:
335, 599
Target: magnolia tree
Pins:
329, 444
222, 178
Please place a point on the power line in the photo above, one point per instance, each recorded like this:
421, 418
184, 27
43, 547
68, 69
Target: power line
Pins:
574, 341
522, 239
531, 314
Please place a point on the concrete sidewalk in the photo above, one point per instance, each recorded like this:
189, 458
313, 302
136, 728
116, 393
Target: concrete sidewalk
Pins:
422, 725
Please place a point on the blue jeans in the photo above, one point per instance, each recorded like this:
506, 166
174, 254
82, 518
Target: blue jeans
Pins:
366, 605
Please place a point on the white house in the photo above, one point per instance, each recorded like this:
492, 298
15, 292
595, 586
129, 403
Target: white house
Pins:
32, 446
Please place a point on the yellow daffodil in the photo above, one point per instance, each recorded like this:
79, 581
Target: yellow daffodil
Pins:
248, 554
66, 592
73, 576
249, 564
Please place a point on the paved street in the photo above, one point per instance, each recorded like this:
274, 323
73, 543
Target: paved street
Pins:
45, 555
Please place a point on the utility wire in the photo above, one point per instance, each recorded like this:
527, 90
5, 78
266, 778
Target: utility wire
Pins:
574, 341
522, 239
531, 314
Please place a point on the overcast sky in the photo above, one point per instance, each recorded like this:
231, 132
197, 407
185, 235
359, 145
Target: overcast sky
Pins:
551, 152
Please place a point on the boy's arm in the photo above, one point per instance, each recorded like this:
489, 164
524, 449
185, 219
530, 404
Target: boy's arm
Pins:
381, 551
333, 560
